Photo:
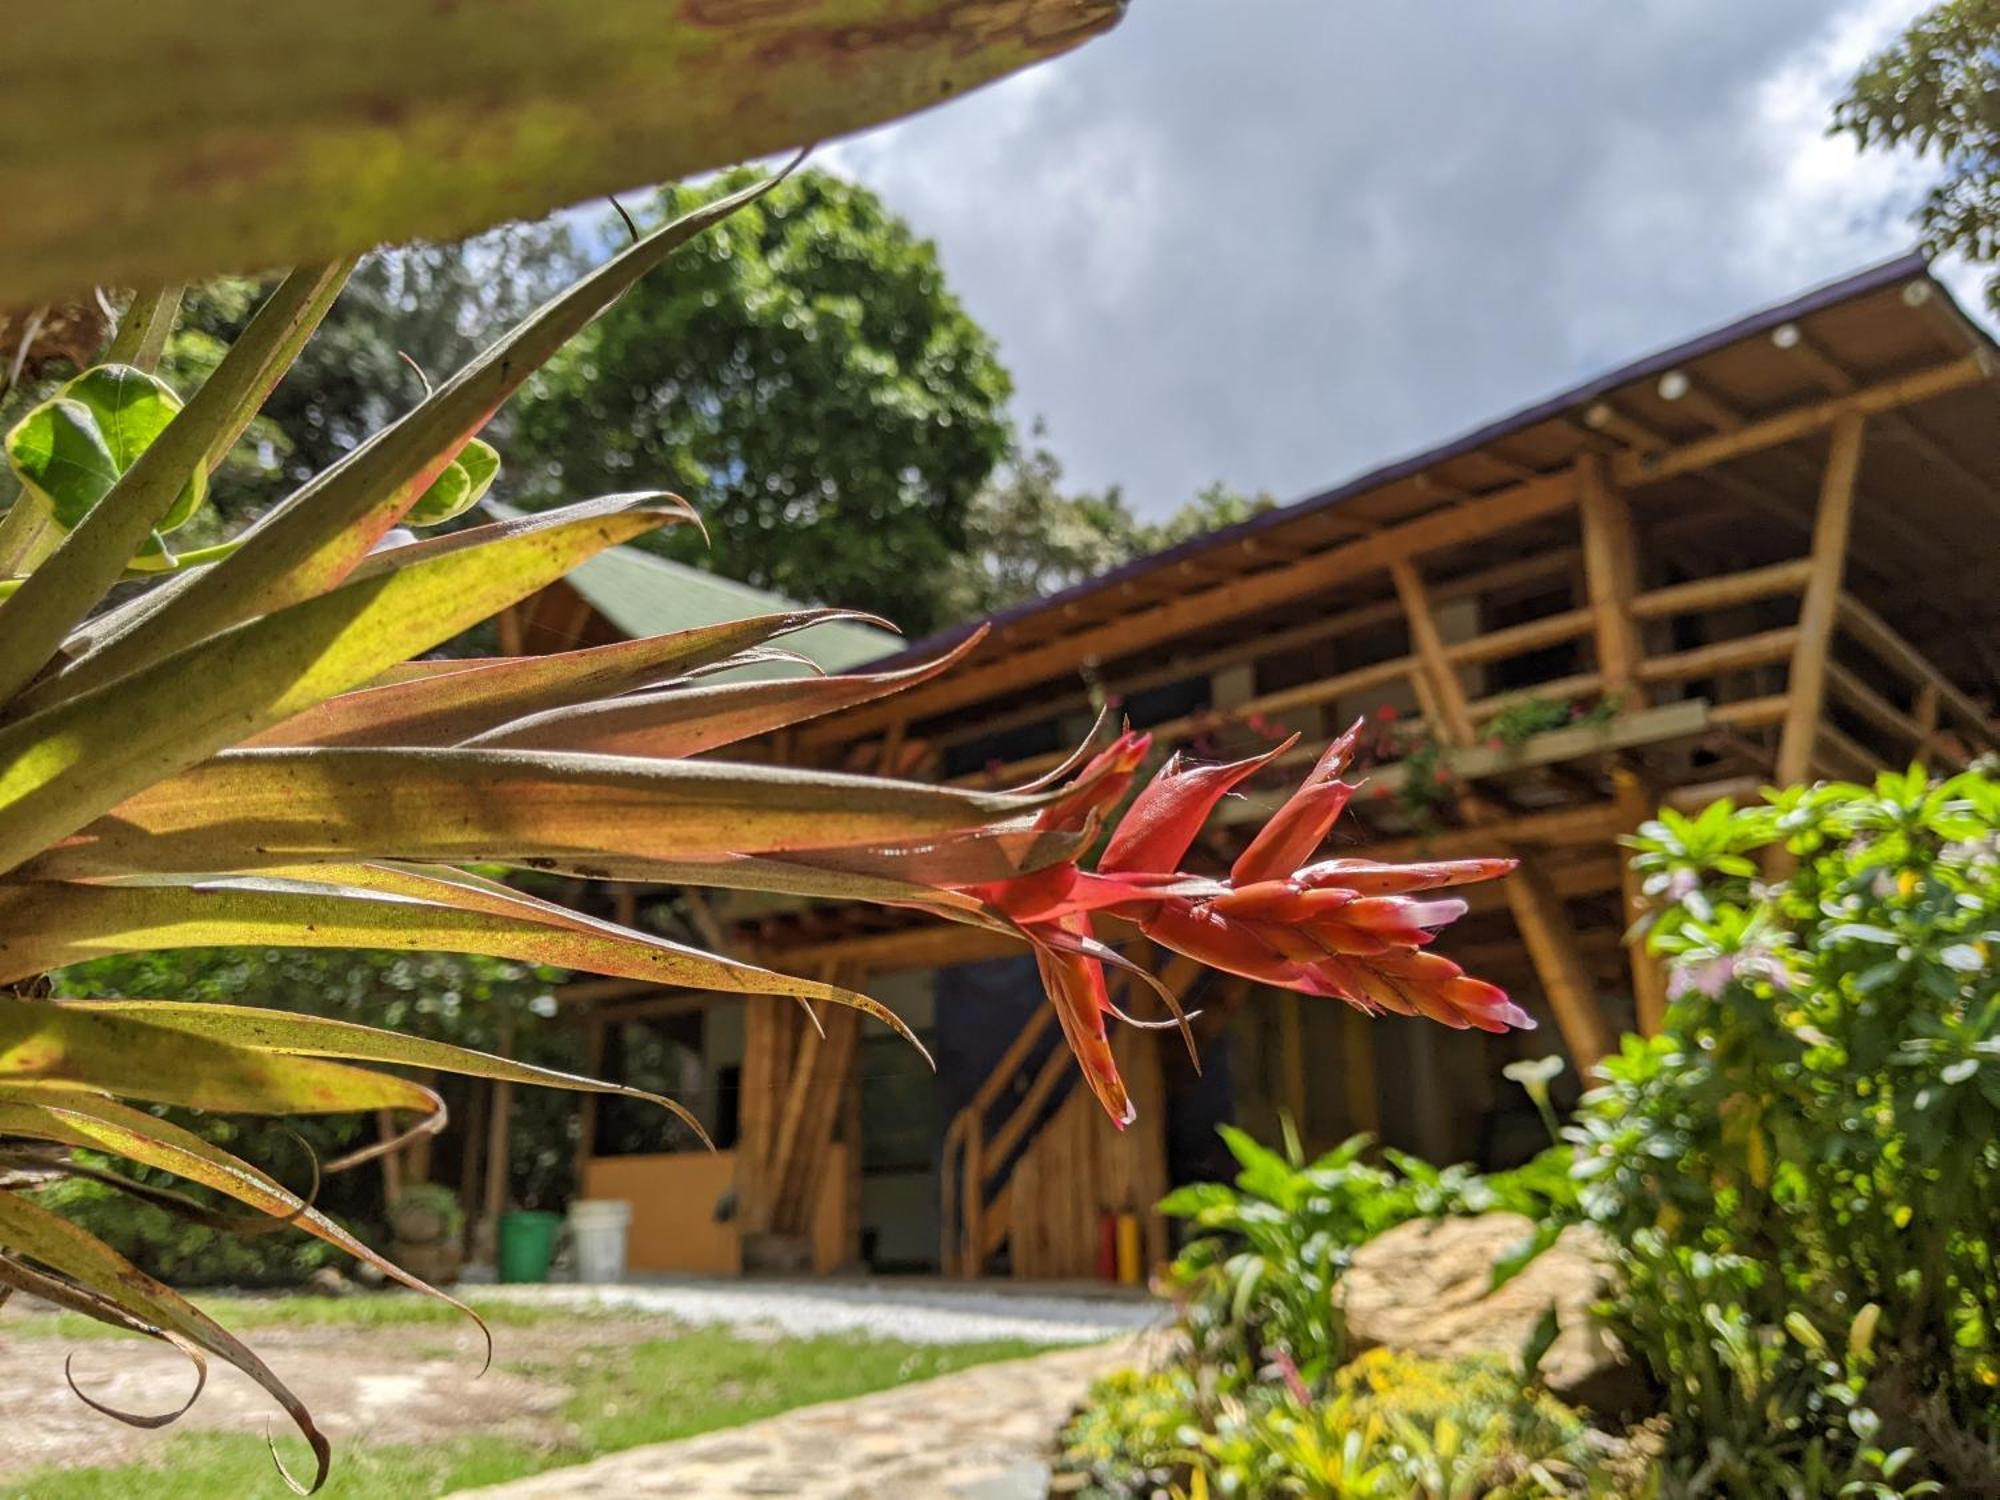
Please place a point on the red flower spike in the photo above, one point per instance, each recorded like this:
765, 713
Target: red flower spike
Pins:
1297, 828
1163, 820
1346, 929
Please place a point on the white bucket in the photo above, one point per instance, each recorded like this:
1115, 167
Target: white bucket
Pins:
598, 1226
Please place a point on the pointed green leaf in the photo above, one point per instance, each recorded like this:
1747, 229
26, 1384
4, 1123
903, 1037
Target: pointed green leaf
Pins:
69, 583
312, 541
461, 486
254, 809
689, 720
381, 120
65, 765
29, 1230
442, 703
45, 925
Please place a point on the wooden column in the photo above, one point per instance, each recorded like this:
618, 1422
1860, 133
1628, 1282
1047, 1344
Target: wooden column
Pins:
1611, 572
586, 1124
499, 1117
1538, 912
1364, 1108
1292, 1058
1926, 715
1806, 691
1649, 976
1454, 724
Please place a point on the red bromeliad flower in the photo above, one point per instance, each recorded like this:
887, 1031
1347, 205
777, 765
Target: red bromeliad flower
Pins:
1351, 929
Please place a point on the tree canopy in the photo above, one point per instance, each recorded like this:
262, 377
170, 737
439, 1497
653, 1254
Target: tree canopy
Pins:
805, 375
1937, 90
1027, 539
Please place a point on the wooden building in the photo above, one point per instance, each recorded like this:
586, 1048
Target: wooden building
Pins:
1765, 555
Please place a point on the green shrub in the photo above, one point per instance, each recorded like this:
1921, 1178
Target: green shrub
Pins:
1801, 1177
188, 1254
1255, 1285
1391, 1427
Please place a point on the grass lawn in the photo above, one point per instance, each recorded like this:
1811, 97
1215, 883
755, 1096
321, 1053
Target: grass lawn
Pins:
622, 1394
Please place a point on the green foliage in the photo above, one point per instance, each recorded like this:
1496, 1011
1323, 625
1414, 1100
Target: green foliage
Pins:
809, 373
1027, 539
1801, 1176
461, 998
1257, 1284
1933, 90
164, 1244
1391, 1427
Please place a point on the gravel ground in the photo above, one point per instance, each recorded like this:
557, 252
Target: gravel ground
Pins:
931, 1313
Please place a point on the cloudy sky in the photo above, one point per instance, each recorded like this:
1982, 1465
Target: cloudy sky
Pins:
1273, 242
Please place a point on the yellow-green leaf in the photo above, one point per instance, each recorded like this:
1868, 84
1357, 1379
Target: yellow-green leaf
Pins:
63, 766
287, 132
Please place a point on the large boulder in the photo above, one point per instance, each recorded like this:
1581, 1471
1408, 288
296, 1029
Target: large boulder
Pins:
1422, 1287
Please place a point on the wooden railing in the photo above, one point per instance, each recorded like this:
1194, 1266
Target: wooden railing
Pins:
1770, 647
1003, 1132
1939, 709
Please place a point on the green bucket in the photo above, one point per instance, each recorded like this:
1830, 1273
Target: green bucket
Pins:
527, 1245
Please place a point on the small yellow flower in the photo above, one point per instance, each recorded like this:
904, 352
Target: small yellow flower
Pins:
1906, 883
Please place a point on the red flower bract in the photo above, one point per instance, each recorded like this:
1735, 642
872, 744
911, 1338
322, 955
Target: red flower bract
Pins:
1349, 929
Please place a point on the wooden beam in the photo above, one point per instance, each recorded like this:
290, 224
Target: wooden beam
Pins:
499, 1122
1736, 655
1513, 640
586, 1124
1821, 602
1723, 590
1685, 390
1603, 417
1364, 1108
1649, 975
1538, 912
1881, 640
1631, 470
1316, 575
1611, 566
1452, 717
1292, 1056
929, 945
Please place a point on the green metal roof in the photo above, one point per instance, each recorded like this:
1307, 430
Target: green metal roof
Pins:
646, 595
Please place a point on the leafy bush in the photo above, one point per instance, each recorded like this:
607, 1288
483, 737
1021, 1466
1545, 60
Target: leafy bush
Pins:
1801, 1176
1256, 1284
184, 1253
1391, 1427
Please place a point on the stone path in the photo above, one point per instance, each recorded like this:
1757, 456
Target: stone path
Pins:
915, 1311
979, 1434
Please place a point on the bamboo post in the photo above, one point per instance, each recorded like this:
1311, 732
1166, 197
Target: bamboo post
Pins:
1611, 571
1364, 1110
973, 1200
1292, 1044
500, 1116
1820, 605
1926, 715
1649, 979
586, 1125
1446, 691
1538, 912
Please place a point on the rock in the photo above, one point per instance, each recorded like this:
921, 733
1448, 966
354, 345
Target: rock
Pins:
328, 1282
1422, 1288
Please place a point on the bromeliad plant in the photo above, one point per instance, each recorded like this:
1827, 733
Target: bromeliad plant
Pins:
244, 752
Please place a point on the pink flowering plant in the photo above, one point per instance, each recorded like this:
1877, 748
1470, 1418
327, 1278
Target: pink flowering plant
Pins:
1801, 1177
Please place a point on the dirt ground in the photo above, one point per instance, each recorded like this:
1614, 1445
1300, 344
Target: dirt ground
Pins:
396, 1384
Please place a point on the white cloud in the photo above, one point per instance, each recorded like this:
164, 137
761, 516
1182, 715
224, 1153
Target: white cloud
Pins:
1274, 241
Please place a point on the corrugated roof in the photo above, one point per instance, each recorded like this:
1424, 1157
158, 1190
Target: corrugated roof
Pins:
643, 594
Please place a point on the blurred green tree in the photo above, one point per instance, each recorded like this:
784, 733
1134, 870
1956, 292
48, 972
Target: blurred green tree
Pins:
1936, 89
804, 375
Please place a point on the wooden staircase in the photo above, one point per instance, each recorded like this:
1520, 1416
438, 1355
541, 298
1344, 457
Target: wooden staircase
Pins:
1032, 1164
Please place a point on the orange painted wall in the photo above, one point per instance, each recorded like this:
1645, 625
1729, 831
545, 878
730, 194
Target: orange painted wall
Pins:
673, 1198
